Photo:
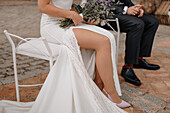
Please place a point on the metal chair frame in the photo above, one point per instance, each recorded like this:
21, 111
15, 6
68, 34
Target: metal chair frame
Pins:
14, 52
117, 35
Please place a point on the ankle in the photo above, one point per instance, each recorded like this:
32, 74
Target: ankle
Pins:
126, 65
140, 58
100, 85
109, 91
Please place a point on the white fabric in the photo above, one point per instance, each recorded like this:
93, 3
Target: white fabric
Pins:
69, 87
36, 48
125, 9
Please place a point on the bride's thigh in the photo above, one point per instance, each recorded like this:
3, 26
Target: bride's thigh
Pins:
90, 40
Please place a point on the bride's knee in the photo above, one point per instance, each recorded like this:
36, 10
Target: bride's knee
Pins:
105, 44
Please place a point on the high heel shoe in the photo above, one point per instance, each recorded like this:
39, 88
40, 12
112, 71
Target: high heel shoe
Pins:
123, 104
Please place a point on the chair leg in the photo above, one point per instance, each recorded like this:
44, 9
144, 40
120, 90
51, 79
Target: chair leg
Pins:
117, 53
118, 39
16, 76
51, 64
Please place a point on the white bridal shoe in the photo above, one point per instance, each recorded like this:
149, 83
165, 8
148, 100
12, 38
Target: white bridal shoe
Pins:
123, 104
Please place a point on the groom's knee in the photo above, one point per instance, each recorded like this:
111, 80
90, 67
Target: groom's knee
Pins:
139, 25
154, 22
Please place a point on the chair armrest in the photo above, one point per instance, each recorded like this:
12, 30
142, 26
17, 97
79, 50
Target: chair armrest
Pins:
47, 47
117, 24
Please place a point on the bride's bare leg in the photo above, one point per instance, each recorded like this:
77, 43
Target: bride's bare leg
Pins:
91, 40
98, 80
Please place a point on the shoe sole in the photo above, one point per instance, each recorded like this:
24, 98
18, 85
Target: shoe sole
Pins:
145, 68
136, 84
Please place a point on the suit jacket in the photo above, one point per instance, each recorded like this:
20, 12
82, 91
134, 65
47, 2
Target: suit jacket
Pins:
119, 7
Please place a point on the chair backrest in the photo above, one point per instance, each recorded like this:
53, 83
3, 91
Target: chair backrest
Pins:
14, 48
8, 35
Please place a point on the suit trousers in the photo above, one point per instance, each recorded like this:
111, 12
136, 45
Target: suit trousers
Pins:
140, 34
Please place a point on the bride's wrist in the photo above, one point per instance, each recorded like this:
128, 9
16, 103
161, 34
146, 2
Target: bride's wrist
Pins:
72, 14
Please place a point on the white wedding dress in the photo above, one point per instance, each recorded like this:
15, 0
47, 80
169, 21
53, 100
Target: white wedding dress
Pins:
69, 86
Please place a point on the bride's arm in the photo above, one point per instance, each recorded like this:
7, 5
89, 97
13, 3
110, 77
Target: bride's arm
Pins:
44, 6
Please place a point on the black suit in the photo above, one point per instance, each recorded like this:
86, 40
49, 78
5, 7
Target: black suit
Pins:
140, 33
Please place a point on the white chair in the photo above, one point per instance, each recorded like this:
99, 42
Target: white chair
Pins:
33, 47
117, 35
39, 48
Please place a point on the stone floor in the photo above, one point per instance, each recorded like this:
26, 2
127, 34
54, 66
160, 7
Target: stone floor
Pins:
23, 18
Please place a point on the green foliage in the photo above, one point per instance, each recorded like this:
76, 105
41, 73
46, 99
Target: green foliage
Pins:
92, 10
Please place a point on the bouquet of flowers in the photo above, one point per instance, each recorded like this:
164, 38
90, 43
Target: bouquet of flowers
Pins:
99, 10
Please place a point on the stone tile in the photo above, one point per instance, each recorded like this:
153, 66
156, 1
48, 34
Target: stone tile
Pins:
154, 99
161, 111
2, 76
164, 43
168, 106
161, 70
7, 80
164, 60
129, 88
149, 79
159, 87
144, 106
144, 86
154, 74
1, 86
131, 85
30, 81
22, 66
8, 98
27, 99
43, 77
126, 98
167, 66
8, 91
31, 92
138, 72
164, 95
166, 81
139, 111
148, 91
37, 62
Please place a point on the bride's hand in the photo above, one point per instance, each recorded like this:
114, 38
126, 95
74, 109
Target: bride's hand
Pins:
76, 18
93, 22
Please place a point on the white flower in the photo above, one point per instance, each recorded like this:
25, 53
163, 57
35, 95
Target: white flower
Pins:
81, 15
103, 23
169, 13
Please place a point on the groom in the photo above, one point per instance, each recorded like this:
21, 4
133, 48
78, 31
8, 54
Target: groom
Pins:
140, 29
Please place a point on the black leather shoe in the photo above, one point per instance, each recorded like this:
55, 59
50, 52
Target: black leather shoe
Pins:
129, 76
145, 65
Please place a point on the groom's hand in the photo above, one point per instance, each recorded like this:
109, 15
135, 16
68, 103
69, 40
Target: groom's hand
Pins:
141, 11
132, 10
137, 9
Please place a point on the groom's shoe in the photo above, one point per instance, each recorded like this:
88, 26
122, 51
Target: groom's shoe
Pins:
129, 76
145, 65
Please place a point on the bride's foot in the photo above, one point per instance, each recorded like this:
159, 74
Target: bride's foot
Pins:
120, 103
123, 104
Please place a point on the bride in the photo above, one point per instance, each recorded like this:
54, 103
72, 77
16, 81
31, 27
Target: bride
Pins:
77, 79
